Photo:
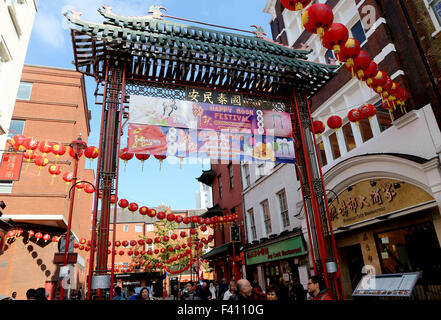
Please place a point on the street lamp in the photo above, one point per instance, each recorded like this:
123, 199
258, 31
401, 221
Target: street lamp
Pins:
77, 147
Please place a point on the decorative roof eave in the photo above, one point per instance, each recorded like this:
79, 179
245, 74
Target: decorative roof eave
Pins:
207, 177
213, 211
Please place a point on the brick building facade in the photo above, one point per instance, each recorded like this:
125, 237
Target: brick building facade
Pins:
51, 105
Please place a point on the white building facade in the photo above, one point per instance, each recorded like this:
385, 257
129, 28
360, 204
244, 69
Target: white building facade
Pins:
275, 224
204, 197
16, 21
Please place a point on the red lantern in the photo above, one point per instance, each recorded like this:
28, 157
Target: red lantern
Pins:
58, 149
334, 122
45, 147
165, 238
142, 157
143, 210
133, 243
295, 5
349, 52
126, 156
157, 239
361, 62
368, 73
11, 234
121, 253
18, 140
46, 237
318, 127
29, 155
317, 18
192, 231
161, 158
149, 241
31, 144
41, 162
379, 81
178, 219
125, 243
149, 252
30, 233
91, 152
368, 111
184, 245
123, 203
174, 236
156, 251
335, 37
171, 249
38, 235
354, 115
170, 217
203, 228
163, 250
130, 253
54, 170
183, 234
151, 213
194, 219
76, 245
133, 207
161, 215
141, 242
72, 153
89, 189
68, 177
136, 253
80, 185
186, 220
117, 243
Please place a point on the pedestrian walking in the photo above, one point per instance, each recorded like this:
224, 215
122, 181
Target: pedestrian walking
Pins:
40, 294
118, 294
30, 294
14, 296
144, 294
317, 289
203, 291
212, 289
223, 287
272, 293
188, 293
297, 292
80, 293
257, 291
283, 290
231, 291
244, 291
132, 293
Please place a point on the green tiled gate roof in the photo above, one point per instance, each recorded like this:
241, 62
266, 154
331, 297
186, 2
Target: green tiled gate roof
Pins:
160, 50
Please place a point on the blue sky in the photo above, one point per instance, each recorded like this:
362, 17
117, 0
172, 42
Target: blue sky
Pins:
51, 45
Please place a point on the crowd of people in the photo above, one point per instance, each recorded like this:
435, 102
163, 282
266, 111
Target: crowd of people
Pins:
241, 290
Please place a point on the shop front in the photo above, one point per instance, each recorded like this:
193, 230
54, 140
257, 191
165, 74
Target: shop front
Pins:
276, 260
384, 226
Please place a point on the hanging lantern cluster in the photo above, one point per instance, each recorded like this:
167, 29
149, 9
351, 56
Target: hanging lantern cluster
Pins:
31, 147
295, 5
12, 235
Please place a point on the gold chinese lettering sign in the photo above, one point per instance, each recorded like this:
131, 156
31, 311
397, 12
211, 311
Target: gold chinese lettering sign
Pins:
367, 200
213, 97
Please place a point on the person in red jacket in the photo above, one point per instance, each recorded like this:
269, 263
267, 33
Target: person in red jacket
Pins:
317, 289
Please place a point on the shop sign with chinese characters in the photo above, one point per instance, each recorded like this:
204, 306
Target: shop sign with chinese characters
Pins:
290, 248
10, 167
365, 201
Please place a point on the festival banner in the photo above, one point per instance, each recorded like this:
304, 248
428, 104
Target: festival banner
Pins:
201, 130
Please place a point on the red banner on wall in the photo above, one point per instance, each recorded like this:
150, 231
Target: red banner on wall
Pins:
10, 167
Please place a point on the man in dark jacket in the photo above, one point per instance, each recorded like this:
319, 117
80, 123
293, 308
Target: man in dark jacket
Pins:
317, 289
189, 294
244, 291
297, 292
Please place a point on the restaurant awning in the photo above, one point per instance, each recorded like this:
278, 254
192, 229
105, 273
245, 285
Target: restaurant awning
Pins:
224, 249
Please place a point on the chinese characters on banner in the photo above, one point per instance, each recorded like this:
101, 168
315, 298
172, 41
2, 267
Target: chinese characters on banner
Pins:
190, 129
10, 167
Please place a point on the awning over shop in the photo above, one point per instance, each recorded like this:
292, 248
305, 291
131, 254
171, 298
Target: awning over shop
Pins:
224, 249
216, 210
207, 177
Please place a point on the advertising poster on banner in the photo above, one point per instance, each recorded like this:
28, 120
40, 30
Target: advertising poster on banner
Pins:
200, 130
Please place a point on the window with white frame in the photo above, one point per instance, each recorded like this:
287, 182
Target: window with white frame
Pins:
266, 216
24, 91
125, 228
252, 223
283, 208
246, 172
16, 127
383, 117
260, 170
434, 8
150, 227
138, 228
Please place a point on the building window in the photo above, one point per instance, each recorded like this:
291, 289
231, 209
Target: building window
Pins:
283, 208
252, 223
125, 228
329, 55
383, 117
219, 181
349, 137
435, 6
260, 170
16, 127
266, 216
150, 227
6, 186
334, 145
24, 91
230, 172
322, 155
358, 32
366, 130
246, 170
5, 54
138, 228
